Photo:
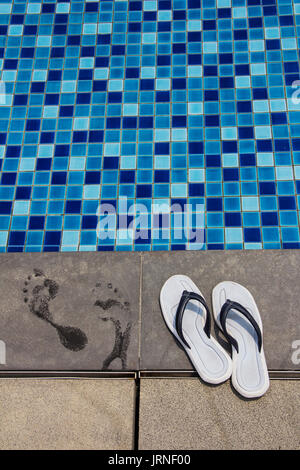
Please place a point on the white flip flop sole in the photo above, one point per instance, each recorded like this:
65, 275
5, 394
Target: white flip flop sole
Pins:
210, 360
250, 374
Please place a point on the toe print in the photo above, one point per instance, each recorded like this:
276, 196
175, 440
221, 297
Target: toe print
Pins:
110, 301
39, 291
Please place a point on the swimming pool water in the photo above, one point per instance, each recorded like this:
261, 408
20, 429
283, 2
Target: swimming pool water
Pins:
185, 102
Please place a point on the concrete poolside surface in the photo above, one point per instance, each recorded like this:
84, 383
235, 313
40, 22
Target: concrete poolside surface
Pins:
173, 414
110, 301
116, 324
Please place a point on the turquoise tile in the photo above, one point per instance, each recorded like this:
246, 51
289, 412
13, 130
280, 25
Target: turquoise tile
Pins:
175, 102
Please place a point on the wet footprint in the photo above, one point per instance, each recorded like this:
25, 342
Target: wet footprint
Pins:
38, 299
109, 300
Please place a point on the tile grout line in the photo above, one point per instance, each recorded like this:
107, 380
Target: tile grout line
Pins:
137, 378
121, 375
140, 311
136, 431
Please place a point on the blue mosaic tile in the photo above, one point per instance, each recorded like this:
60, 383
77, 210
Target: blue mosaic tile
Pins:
112, 108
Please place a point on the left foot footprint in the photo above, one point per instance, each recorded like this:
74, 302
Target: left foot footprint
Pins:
38, 301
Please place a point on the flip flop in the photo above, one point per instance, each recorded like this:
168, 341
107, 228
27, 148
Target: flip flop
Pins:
237, 316
187, 316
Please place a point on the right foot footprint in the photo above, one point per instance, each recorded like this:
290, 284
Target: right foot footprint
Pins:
117, 310
38, 303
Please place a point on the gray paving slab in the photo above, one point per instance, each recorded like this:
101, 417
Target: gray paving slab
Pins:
271, 276
75, 311
186, 414
60, 414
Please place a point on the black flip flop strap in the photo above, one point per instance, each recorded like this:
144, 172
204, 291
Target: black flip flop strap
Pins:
185, 298
231, 305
